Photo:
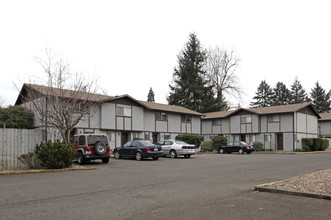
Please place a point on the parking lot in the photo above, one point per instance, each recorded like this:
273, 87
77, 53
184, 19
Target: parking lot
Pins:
206, 186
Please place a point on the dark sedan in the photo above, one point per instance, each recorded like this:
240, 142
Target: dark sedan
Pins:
138, 149
236, 146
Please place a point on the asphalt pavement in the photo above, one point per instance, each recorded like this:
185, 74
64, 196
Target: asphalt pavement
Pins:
206, 186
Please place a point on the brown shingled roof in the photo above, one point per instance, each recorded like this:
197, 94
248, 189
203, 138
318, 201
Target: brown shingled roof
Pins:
44, 90
263, 110
325, 116
279, 108
221, 114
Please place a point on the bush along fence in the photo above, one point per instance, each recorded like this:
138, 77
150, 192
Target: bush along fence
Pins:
315, 144
14, 143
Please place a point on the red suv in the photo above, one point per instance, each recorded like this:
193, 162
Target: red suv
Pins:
91, 147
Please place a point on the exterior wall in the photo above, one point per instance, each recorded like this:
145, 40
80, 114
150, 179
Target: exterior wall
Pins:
325, 128
108, 116
206, 127
196, 125
149, 120
137, 118
174, 122
235, 124
286, 122
95, 117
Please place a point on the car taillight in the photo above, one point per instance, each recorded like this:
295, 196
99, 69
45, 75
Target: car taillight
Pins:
161, 148
148, 149
247, 146
87, 148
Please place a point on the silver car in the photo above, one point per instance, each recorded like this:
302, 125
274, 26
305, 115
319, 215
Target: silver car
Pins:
173, 148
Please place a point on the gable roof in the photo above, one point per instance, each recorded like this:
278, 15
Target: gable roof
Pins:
264, 110
65, 93
325, 117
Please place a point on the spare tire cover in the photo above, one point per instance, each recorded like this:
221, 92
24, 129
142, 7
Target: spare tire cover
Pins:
100, 148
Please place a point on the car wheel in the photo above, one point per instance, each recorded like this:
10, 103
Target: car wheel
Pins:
248, 152
240, 151
100, 148
187, 155
155, 158
117, 155
105, 160
80, 158
139, 156
173, 154
221, 151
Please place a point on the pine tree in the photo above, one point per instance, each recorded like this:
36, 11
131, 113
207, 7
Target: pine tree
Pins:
189, 88
298, 93
263, 95
281, 94
150, 96
320, 99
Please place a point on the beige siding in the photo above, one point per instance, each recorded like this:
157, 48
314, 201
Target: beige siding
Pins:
174, 121
286, 121
149, 120
137, 118
196, 124
235, 124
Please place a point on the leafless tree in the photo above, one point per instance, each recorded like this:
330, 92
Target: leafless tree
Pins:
2, 102
62, 99
220, 67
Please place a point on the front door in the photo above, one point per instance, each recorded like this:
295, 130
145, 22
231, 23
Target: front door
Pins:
280, 141
124, 138
155, 138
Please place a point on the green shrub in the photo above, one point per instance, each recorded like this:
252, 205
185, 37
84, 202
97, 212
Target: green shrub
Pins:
325, 143
55, 155
317, 144
258, 146
208, 145
307, 142
299, 150
190, 139
219, 141
306, 148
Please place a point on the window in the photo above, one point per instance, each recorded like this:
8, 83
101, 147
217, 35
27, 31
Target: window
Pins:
246, 119
186, 118
273, 118
161, 116
166, 136
267, 137
217, 122
81, 140
147, 136
123, 110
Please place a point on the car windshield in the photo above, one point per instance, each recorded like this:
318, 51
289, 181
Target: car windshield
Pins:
92, 139
180, 142
243, 143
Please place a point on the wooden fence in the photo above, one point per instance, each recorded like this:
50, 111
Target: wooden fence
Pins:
14, 143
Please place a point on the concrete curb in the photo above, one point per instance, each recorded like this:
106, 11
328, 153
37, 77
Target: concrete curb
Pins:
265, 188
13, 172
296, 193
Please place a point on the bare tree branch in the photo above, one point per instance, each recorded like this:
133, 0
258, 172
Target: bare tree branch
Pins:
64, 98
220, 67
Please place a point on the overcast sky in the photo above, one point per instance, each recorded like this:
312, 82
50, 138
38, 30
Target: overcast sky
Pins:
133, 45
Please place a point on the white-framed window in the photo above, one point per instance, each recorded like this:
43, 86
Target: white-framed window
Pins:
273, 118
216, 122
245, 119
161, 116
123, 110
186, 118
267, 137
147, 136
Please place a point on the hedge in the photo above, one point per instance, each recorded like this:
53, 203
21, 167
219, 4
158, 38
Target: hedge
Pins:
190, 139
219, 141
315, 144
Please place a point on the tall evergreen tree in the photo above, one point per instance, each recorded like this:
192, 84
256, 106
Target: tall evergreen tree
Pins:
298, 93
320, 99
263, 95
190, 88
150, 96
281, 94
